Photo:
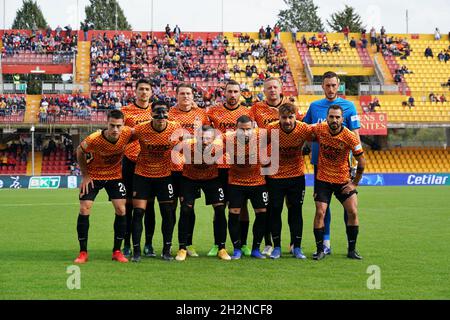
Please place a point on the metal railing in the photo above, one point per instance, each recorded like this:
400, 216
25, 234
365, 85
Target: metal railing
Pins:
365, 88
61, 88
316, 88
69, 116
379, 71
13, 88
57, 58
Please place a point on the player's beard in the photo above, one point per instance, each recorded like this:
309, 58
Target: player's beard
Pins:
232, 102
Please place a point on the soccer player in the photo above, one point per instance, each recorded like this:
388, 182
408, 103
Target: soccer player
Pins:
317, 113
224, 118
264, 113
135, 113
199, 173
245, 181
99, 157
333, 176
190, 117
152, 175
289, 181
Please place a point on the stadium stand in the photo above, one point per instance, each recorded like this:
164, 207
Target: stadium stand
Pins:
12, 108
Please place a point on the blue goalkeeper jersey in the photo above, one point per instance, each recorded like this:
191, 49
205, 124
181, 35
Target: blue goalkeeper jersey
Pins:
317, 113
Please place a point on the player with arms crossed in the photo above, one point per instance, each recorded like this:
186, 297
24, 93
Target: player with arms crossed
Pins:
333, 176
100, 156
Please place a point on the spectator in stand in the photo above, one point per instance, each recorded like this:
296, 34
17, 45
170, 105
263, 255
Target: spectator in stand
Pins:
261, 33
442, 98
373, 37
382, 31
177, 32
167, 31
346, 31
437, 34
428, 52
294, 31
268, 32
397, 77
432, 97
276, 31
411, 101
441, 56
353, 43
375, 103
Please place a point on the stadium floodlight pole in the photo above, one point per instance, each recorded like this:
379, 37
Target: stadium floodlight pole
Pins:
116, 16
32, 150
4, 14
407, 18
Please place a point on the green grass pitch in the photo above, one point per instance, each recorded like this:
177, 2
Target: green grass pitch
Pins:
404, 231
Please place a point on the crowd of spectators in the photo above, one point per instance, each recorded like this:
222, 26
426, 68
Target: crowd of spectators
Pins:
13, 151
12, 105
40, 42
320, 42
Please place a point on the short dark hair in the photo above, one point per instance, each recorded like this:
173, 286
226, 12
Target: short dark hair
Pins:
206, 127
335, 107
143, 80
115, 114
233, 83
288, 108
330, 75
159, 103
244, 119
184, 85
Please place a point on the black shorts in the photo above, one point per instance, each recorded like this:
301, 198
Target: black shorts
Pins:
324, 190
128, 167
291, 188
115, 189
237, 195
177, 178
147, 188
212, 188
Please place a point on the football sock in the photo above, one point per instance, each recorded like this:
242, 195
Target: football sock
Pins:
120, 225
295, 218
259, 226
327, 221
138, 214
233, 227
183, 225
167, 225
129, 219
318, 234
276, 223
220, 235
244, 226
191, 227
83, 229
149, 222
352, 234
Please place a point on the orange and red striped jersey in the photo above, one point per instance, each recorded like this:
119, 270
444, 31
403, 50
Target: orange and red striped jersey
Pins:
334, 150
224, 119
290, 145
245, 167
154, 160
133, 116
103, 157
189, 121
203, 170
264, 113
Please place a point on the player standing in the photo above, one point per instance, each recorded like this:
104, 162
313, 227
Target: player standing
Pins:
152, 177
99, 157
333, 176
289, 181
190, 117
135, 113
317, 113
224, 118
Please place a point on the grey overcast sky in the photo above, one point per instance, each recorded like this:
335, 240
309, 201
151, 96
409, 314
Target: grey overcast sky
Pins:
243, 15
